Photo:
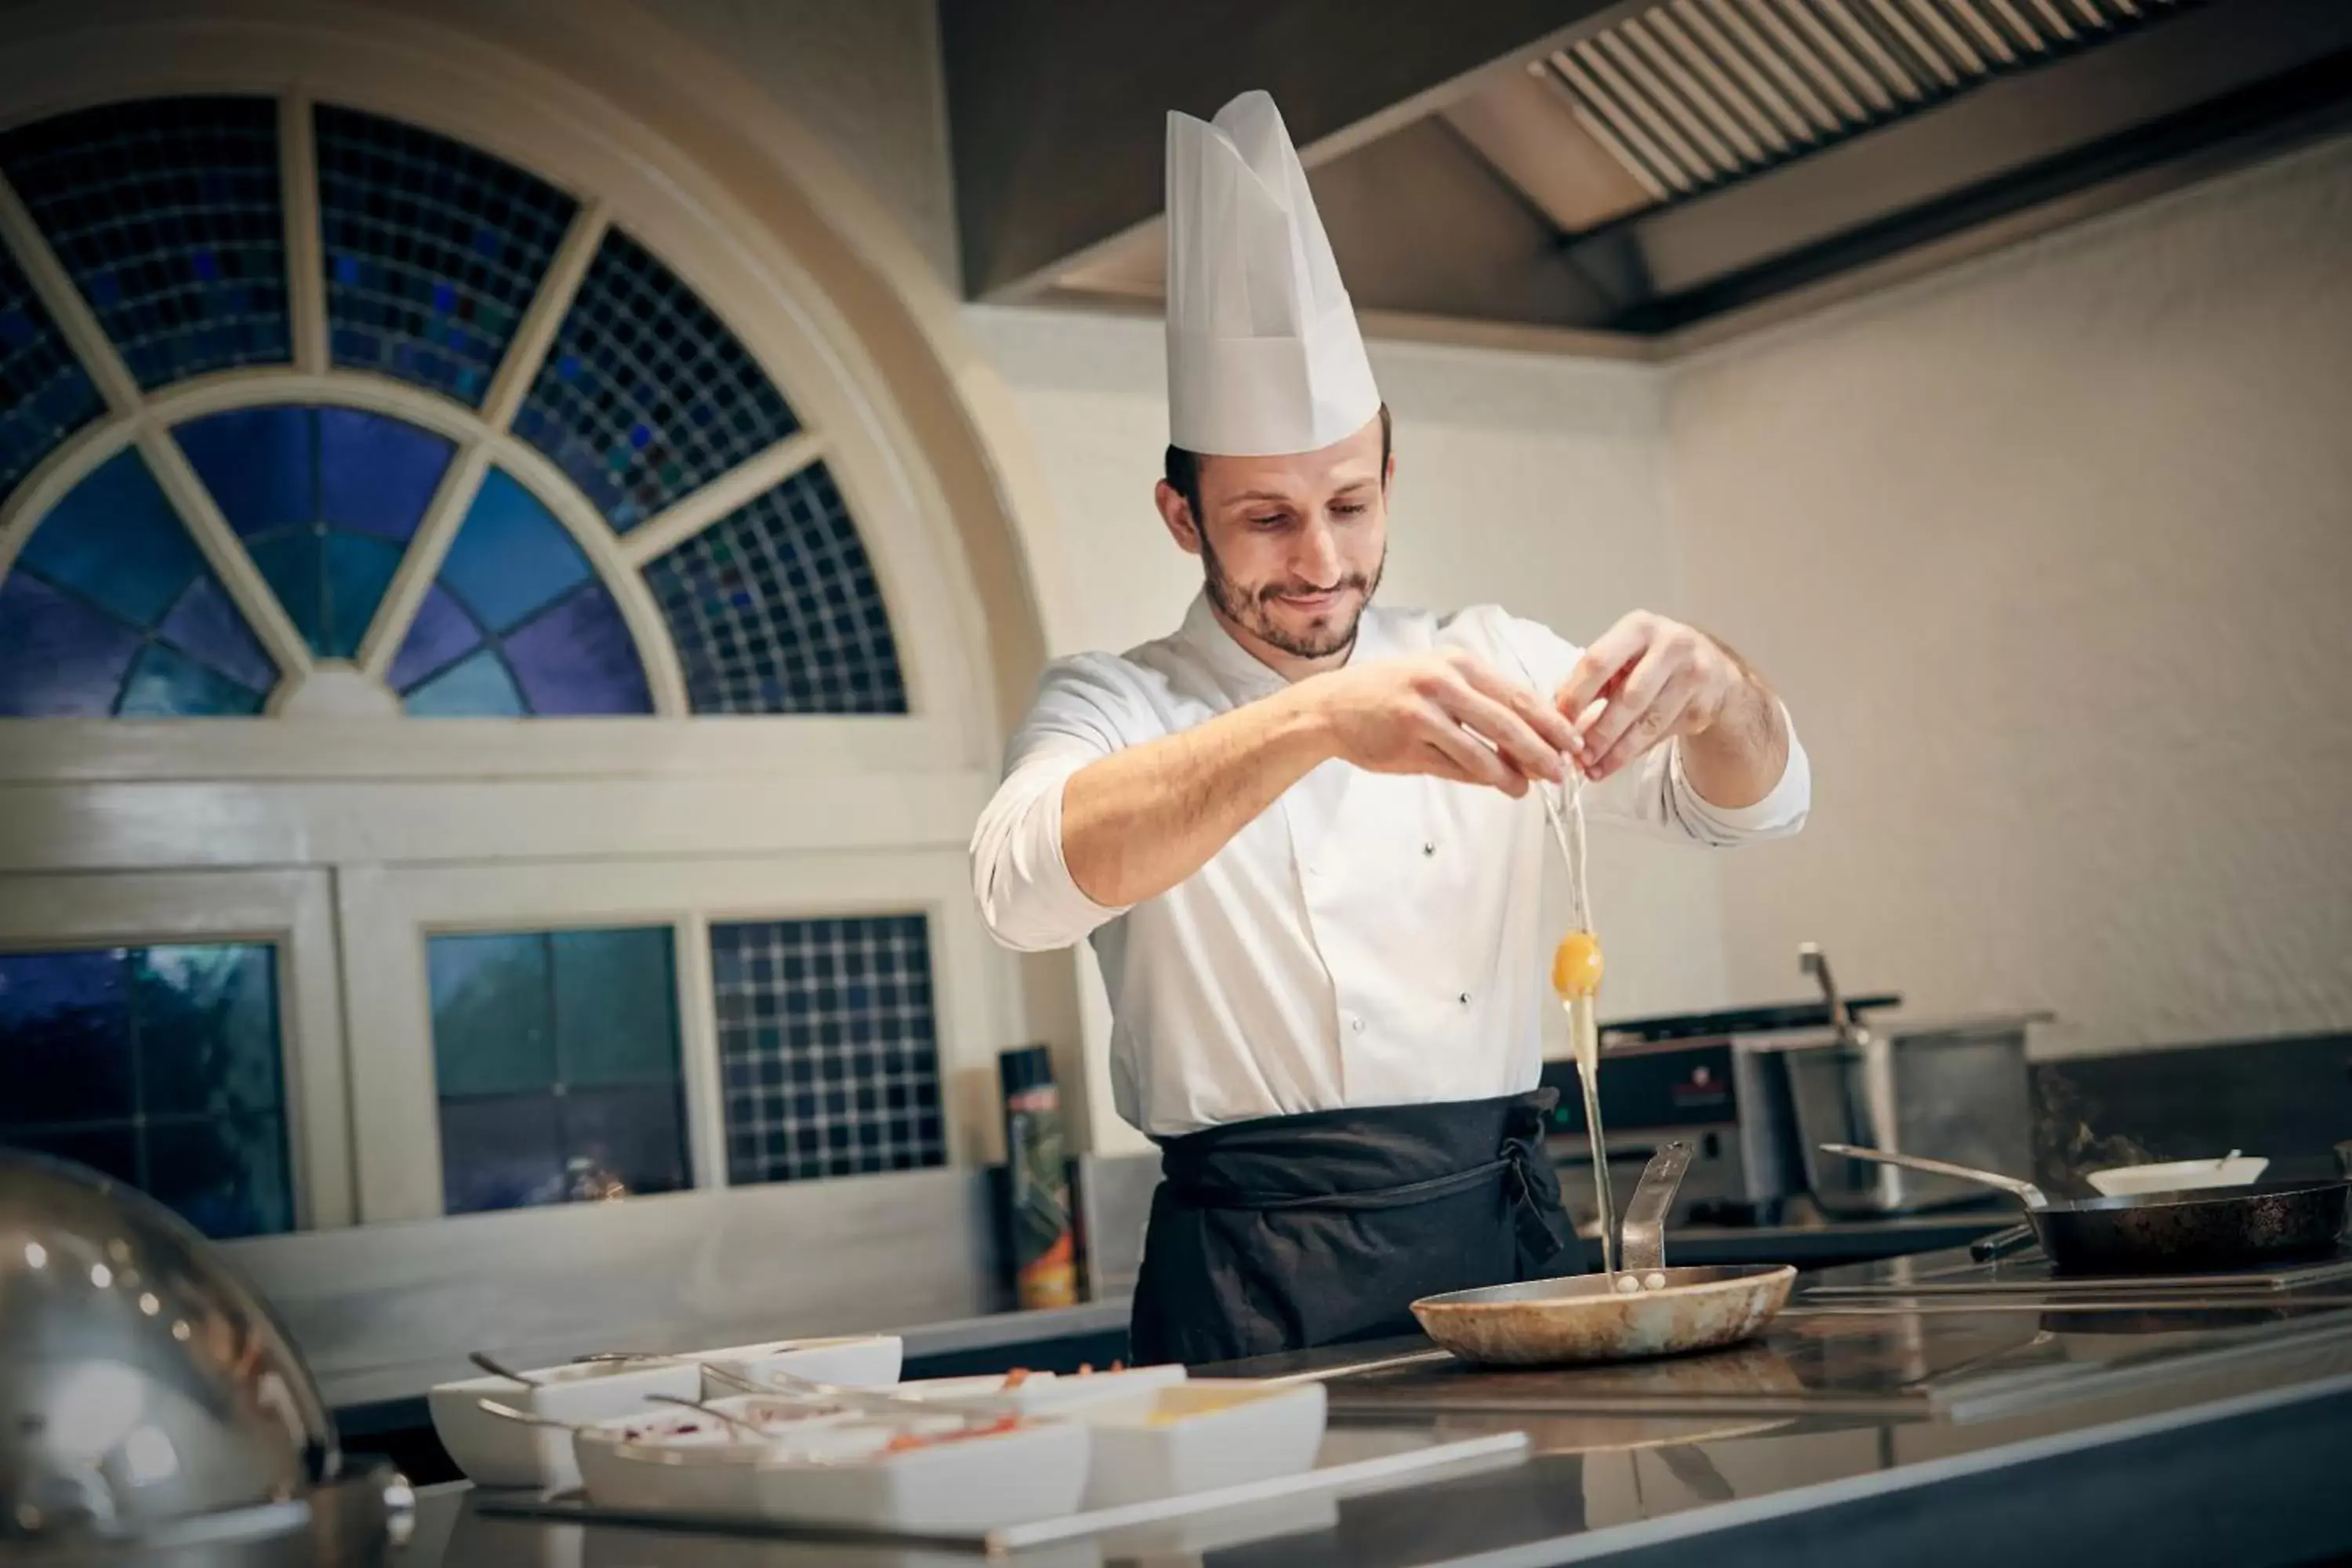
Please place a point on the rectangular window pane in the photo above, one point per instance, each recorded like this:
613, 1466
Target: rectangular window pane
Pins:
226, 1173
65, 1038
207, 1028
557, 1054
159, 1065
828, 1047
615, 1007
493, 1014
502, 1151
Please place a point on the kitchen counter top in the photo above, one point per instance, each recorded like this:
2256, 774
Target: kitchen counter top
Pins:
1937, 1436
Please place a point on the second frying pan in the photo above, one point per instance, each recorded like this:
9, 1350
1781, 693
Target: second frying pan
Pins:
2164, 1232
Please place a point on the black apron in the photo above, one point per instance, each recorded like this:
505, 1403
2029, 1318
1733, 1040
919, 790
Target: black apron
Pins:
1288, 1231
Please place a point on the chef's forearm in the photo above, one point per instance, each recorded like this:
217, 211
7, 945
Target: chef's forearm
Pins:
1141, 820
1738, 760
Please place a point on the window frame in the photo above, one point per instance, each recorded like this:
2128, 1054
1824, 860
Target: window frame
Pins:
292, 910
389, 912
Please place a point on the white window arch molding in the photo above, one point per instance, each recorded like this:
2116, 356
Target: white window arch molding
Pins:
327, 787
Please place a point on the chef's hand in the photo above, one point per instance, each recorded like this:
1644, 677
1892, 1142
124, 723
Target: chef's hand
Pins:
1443, 713
1644, 679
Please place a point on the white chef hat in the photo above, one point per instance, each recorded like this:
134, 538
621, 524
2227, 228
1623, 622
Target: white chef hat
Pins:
1264, 356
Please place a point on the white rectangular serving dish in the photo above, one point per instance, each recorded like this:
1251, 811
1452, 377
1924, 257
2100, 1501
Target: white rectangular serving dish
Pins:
686, 1460
1200, 1436
495, 1452
1040, 1393
856, 1361
842, 1474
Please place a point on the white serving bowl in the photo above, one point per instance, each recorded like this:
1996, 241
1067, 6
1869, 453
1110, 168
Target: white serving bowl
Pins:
2177, 1176
859, 1360
495, 1452
846, 1473
1198, 1436
686, 1460
1039, 1393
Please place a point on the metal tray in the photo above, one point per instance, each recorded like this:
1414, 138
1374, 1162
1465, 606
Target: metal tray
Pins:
1355, 1459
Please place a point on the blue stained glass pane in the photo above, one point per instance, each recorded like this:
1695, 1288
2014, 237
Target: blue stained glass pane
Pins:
65, 1038
433, 243
578, 658
48, 396
376, 475
441, 633
166, 684
226, 1174
817, 1083
261, 465
493, 1013
357, 571
477, 688
115, 540
775, 609
166, 213
639, 349
510, 555
290, 564
60, 659
204, 623
208, 1037
500, 1154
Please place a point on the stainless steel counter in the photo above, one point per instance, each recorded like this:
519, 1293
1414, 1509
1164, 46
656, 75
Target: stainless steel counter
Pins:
1931, 1437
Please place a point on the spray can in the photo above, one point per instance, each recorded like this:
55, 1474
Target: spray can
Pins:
1044, 1246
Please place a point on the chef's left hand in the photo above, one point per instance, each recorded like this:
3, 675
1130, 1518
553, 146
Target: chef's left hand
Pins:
1651, 679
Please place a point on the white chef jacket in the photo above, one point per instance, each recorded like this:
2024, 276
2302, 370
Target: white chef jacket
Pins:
1372, 940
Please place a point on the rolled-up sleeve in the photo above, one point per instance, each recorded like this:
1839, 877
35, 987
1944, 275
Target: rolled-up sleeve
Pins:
1028, 900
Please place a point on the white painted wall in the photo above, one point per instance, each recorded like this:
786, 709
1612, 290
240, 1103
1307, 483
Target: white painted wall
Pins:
1532, 481
865, 77
2052, 554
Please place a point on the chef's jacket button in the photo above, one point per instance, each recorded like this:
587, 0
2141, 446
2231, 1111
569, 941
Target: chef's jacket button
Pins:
1428, 847
1464, 998
1357, 1024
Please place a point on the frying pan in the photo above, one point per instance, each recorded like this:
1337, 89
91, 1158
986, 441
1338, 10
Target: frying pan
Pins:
1644, 1309
2163, 1233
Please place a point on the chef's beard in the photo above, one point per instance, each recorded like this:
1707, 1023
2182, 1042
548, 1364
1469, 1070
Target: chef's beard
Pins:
1246, 606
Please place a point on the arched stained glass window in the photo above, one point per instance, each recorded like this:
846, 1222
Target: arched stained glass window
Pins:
167, 218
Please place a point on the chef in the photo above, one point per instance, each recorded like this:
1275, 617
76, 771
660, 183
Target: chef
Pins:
1298, 833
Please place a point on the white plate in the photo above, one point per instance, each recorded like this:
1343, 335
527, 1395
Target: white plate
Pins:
1040, 1393
861, 1360
840, 1475
1205, 1434
497, 1452
2177, 1176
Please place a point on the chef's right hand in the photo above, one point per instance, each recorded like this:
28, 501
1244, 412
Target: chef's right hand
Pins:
1443, 713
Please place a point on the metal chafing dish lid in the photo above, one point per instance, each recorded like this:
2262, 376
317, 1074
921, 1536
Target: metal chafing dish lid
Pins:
142, 1382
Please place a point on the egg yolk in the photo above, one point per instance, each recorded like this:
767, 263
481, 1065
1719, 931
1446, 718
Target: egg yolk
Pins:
1576, 965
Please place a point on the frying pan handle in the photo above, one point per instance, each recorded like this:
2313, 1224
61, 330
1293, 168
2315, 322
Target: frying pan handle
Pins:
1644, 1246
2015, 1187
2001, 1243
